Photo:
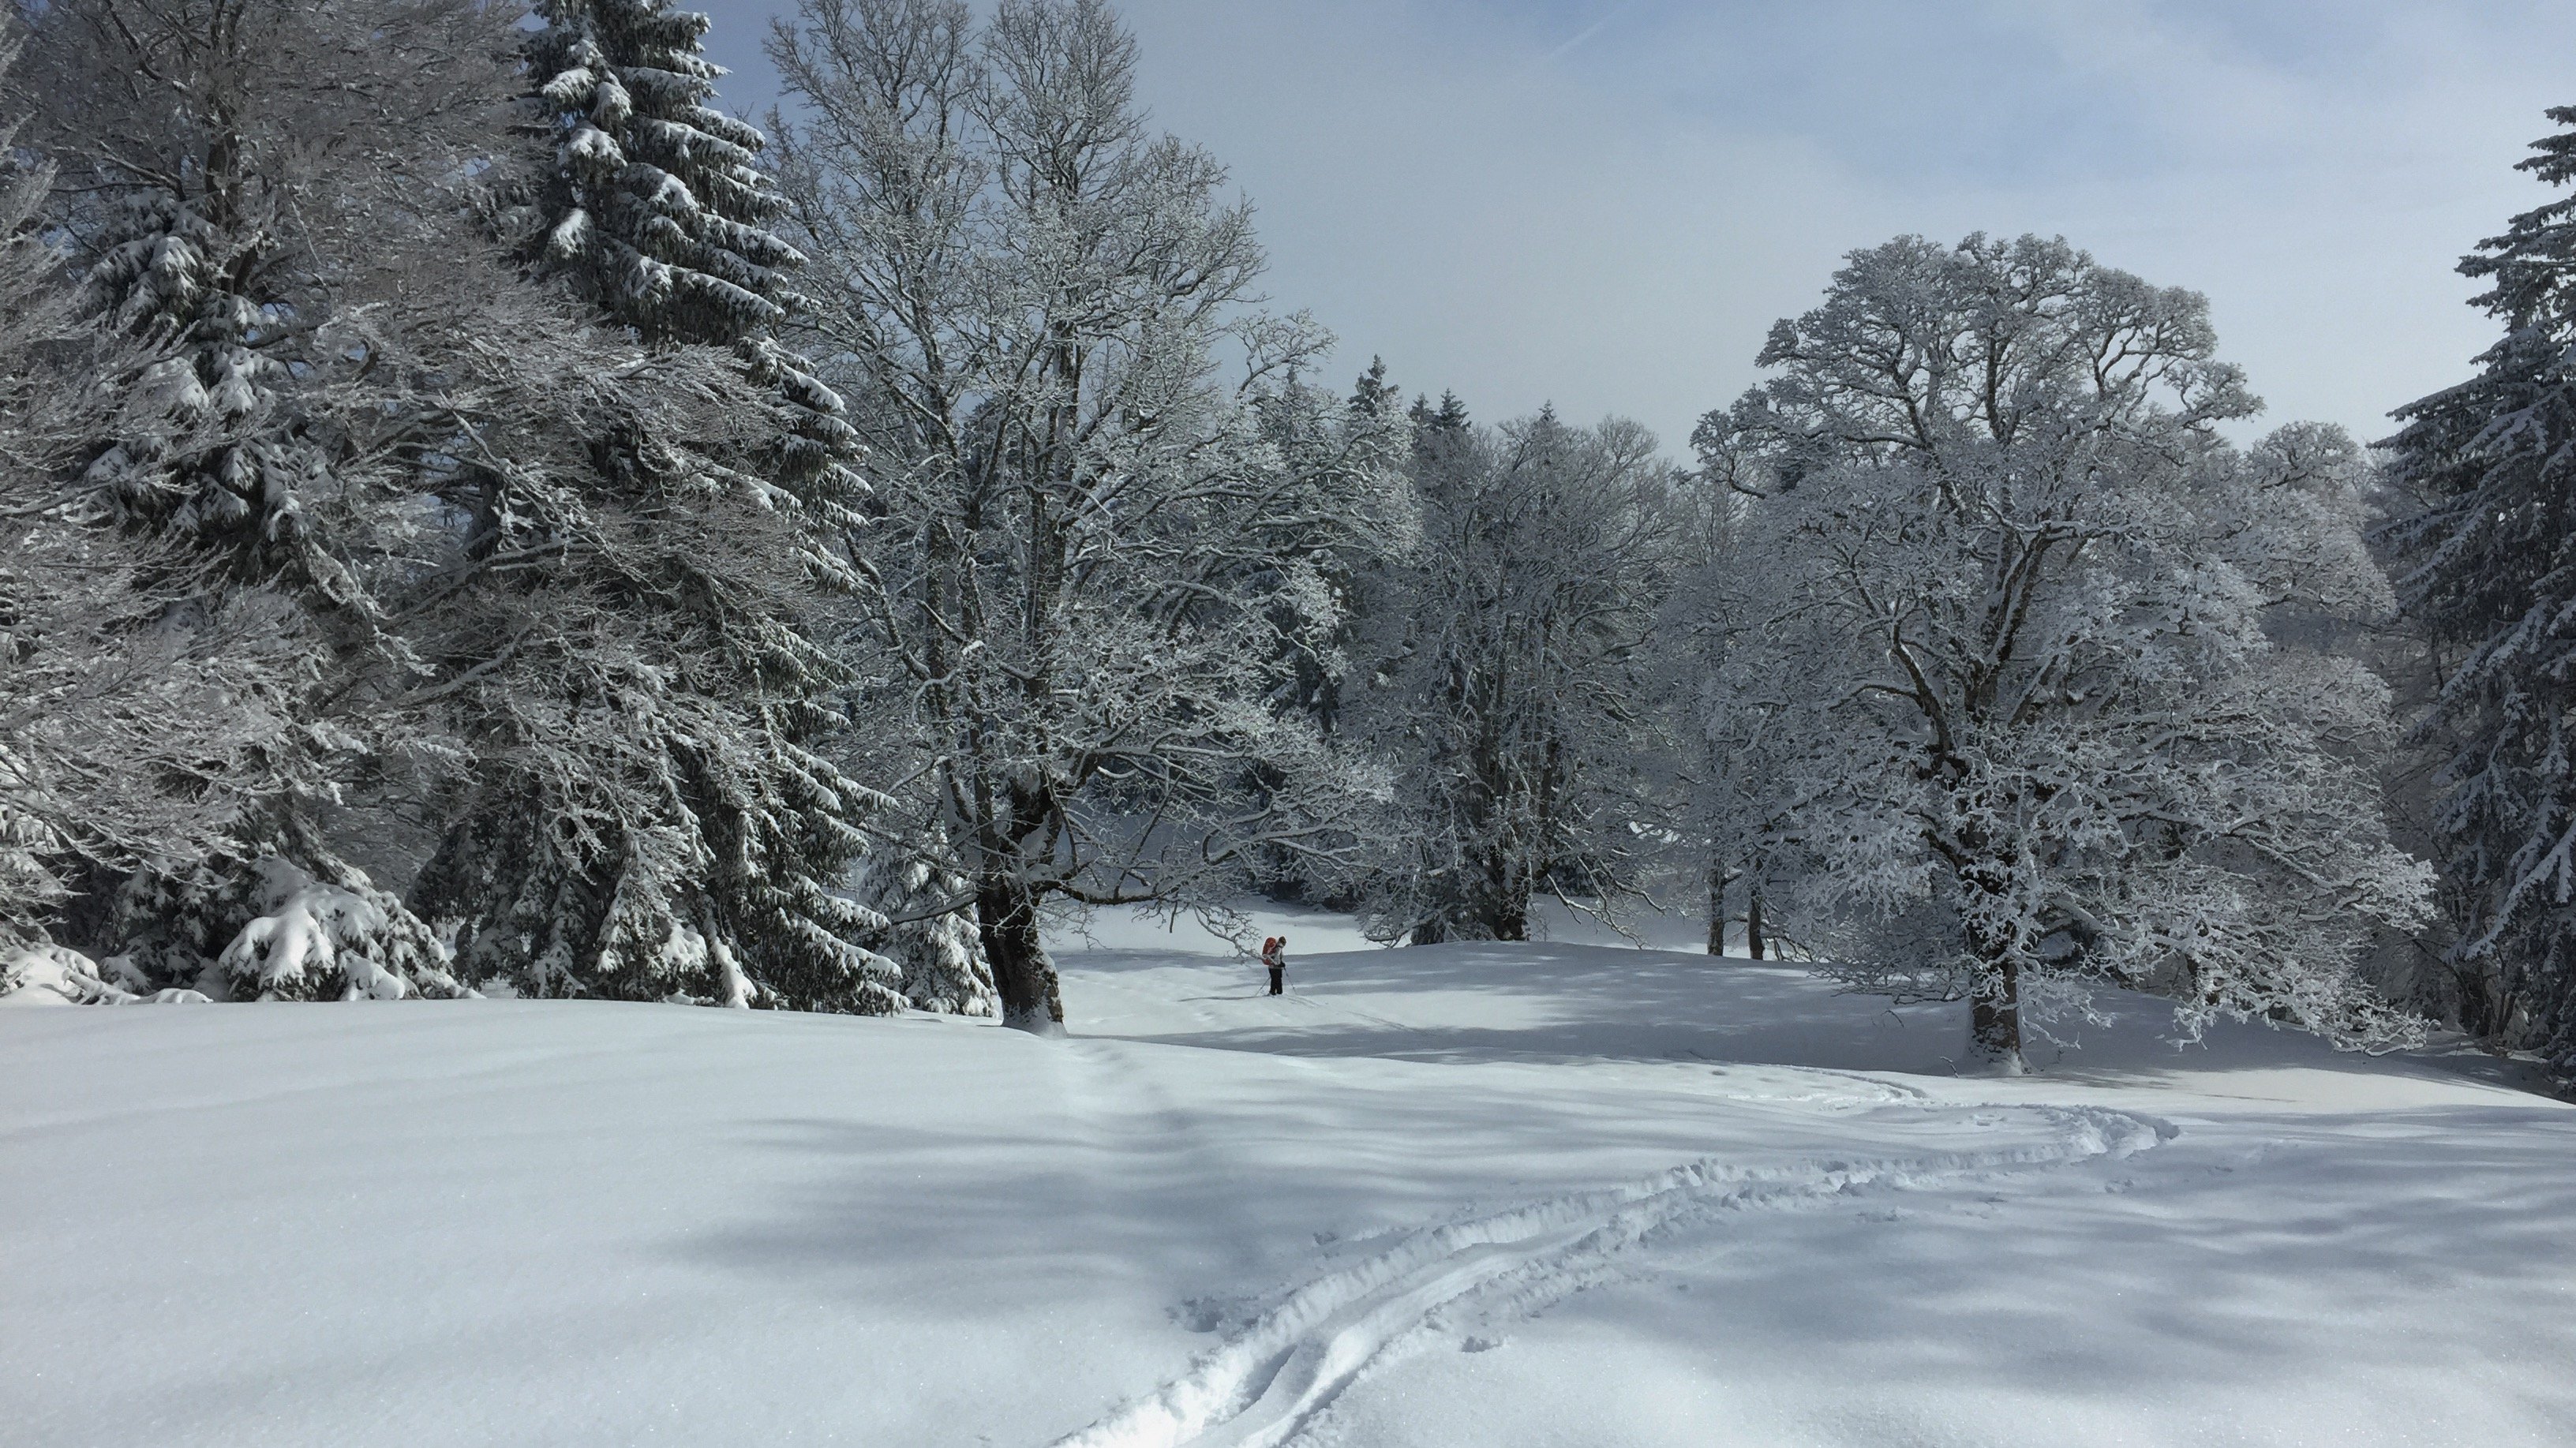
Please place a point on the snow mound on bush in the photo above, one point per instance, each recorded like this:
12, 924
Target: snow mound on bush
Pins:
56, 975
316, 941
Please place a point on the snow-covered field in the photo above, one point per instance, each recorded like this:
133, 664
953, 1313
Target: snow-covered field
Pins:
1455, 1195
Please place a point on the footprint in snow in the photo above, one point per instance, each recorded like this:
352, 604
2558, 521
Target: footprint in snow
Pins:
1208, 1314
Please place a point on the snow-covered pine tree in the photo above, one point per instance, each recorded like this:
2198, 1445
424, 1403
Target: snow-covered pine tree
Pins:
2025, 597
929, 930
630, 639
622, 638
1449, 417
1322, 604
231, 173
125, 732
658, 206
1364, 434
2488, 574
659, 211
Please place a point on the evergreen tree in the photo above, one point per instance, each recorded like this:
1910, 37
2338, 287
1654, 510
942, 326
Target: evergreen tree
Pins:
234, 178
929, 931
1430, 424
131, 727
658, 210
1373, 395
554, 579
1315, 617
633, 651
2489, 576
658, 205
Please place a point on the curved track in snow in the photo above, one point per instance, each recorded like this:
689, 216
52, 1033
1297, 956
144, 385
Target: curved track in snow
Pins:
1268, 1384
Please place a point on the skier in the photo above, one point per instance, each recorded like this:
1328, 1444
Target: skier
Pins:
1274, 954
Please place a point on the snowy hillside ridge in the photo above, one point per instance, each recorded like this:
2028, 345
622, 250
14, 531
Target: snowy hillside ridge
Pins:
1443, 1197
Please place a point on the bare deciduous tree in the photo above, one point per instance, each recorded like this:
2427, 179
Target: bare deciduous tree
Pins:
2023, 586
1030, 301
1511, 688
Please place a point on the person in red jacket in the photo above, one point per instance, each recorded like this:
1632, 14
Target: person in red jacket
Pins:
1274, 954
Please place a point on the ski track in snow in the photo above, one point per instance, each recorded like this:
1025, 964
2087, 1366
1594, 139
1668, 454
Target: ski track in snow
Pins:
1272, 1382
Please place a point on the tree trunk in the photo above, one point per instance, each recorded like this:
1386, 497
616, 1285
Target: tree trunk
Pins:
1994, 1017
1753, 920
1994, 990
1500, 896
1717, 909
1007, 917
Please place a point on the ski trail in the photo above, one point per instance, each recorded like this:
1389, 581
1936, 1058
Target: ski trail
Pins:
1261, 1388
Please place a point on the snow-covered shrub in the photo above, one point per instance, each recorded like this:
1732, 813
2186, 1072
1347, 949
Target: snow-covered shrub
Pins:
53, 975
317, 941
43, 974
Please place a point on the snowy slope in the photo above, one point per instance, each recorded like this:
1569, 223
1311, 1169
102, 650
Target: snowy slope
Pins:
1456, 1195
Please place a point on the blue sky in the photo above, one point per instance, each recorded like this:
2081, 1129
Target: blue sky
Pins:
1606, 204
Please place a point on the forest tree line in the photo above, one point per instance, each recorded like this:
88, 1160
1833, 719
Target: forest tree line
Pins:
484, 518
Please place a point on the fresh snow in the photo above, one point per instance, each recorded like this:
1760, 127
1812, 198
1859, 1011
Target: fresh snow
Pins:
1542, 1194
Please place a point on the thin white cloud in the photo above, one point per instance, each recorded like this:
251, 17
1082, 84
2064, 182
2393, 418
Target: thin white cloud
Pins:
1589, 31
1612, 220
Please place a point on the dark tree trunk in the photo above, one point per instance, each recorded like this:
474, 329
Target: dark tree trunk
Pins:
2486, 1003
1498, 907
1007, 918
1753, 920
1717, 909
1994, 991
1994, 1015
